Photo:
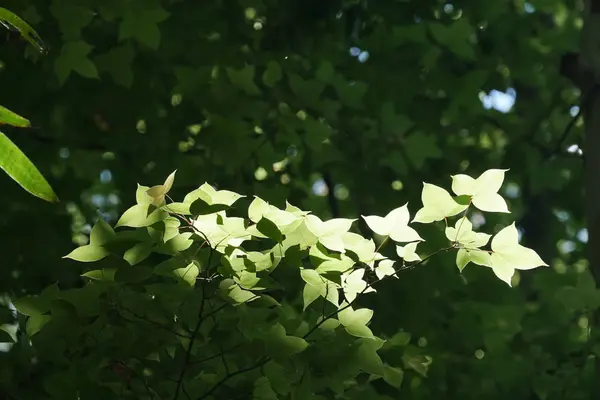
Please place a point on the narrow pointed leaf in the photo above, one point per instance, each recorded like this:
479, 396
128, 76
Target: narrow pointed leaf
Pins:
21, 169
13, 22
10, 118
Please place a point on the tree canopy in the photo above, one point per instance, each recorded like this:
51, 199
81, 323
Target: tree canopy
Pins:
344, 109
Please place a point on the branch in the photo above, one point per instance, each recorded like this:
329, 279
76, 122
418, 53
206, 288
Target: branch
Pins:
368, 286
583, 106
155, 323
217, 385
188, 353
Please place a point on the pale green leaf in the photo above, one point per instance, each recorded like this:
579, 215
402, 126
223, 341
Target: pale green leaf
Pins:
408, 252
508, 255
437, 205
463, 234
483, 190
257, 209
158, 192
88, 253
141, 215
349, 316
476, 256
353, 284
363, 248
394, 225
329, 233
101, 233
385, 268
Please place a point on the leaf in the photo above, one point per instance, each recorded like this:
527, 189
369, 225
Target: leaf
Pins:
269, 229
394, 225
355, 321
10, 118
263, 390
416, 362
316, 286
35, 323
188, 274
385, 268
437, 205
393, 376
399, 339
363, 248
207, 200
463, 234
408, 252
329, 232
282, 345
421, 147
106, 274
240, 295
158, 192
88, 253
73, 57
354, 284
177, 208
179, 269
101, 233
138, 216
31, 305
367, 357
476, 256
117, 62
140, 22
508, 255
11, 21
483, 190
272, 74
138, 253
257, 209
301, 236
72, 18
349, 316
244, 79
21, 170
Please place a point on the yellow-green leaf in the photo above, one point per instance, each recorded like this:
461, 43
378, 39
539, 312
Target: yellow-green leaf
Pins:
21, 169
13, 22
10, 118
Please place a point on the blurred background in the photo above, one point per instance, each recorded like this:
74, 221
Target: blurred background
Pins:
343, 108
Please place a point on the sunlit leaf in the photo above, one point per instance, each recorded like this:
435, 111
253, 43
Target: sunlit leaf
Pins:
21, 170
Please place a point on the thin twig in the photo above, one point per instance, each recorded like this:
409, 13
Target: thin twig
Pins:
368, 286
155, 323
227, 377
188, 353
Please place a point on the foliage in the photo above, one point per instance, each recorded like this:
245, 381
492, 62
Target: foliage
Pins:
343, 110
195, 301
12, 160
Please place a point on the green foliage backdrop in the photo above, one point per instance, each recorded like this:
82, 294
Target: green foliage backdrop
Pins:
264, 98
